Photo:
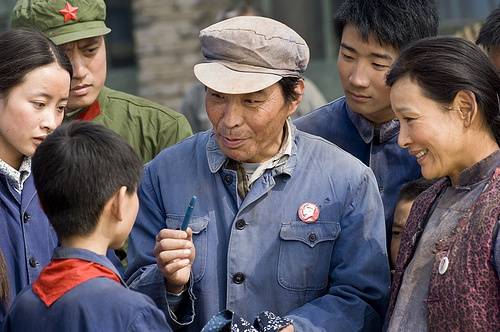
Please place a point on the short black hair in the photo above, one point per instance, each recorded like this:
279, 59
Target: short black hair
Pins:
392, 22
77, 169
288, 85
410, 190
443, 66
489, 35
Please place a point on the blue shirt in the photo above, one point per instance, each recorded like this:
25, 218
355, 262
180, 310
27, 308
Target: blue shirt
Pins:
256, 254
99, 304
376, 147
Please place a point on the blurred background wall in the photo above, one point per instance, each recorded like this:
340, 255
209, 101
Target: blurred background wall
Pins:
154, 43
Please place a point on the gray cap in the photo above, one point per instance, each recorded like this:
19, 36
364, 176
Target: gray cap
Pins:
249, 53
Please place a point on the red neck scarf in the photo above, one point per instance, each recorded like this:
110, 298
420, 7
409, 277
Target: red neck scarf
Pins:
62, 275
90, 113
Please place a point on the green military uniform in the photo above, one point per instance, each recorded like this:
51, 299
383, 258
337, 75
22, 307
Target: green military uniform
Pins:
148, 127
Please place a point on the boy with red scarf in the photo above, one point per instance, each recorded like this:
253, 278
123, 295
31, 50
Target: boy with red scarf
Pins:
86, 177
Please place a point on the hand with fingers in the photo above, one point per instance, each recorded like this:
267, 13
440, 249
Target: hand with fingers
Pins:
174, 251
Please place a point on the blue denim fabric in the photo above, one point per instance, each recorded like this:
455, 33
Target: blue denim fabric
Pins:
99, 304
377, 149
331, 275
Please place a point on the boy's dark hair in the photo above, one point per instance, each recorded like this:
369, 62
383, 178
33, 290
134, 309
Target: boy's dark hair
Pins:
391, 22
24, 50
77, 169
443, 66
410, 190
489, 35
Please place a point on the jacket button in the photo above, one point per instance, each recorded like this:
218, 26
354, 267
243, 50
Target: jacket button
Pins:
26, 217
228, 179
238, 278
312, 237
240, 224
33, 262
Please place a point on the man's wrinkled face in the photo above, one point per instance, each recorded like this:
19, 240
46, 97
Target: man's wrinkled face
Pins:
249, 127
88, 57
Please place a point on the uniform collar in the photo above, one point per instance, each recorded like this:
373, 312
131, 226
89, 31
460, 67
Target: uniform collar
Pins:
369, 132
68, 269
83, 254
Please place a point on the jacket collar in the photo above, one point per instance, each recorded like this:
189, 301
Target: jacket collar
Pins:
217, 159
86, 255
480, 171
369, 132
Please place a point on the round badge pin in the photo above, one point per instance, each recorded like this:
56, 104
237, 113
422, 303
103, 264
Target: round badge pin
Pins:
308, 213
443, 265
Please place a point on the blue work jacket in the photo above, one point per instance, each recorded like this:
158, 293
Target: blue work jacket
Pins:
378, 149
26, 237
256, 254
98, 304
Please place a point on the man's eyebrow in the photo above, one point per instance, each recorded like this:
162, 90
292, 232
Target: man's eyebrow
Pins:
383, 56
90, 41
347, 47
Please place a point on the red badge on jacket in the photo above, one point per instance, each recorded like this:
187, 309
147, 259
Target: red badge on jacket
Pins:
308, 213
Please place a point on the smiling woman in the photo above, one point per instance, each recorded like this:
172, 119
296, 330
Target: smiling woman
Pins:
34, 86
445, 95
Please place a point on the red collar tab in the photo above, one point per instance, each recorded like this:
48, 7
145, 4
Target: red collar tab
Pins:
91, 113
69, 12
62, 275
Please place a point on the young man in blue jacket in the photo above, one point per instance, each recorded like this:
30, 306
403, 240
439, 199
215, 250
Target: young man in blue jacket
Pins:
286, 224
371, 34
86, 177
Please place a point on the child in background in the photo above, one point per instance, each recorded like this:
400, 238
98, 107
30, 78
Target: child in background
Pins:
409, 191
86, 177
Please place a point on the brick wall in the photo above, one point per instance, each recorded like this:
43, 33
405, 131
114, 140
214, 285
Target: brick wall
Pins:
167, 46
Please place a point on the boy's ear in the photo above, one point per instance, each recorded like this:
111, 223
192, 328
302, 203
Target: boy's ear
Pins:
118, 204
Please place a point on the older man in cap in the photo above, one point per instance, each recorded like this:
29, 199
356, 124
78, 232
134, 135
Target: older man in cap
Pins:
286, 223
78, 27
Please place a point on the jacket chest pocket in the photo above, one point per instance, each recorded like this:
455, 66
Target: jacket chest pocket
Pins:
305, 254
199, 227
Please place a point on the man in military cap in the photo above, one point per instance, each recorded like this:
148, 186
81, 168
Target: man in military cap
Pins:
79, 27
288, 227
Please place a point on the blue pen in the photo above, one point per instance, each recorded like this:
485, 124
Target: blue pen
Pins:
189, 211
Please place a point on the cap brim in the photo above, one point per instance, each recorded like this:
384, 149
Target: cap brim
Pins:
77, 31
222, 79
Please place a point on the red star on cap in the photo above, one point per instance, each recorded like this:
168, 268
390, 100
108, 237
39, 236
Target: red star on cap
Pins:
69, 12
